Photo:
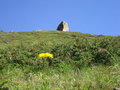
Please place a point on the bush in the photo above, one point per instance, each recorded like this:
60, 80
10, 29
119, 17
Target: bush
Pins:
80, 52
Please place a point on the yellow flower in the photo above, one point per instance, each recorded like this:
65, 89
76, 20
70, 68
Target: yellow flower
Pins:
49, 55
45, 55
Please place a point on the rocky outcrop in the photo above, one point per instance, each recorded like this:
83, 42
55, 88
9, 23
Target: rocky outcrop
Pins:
63, 26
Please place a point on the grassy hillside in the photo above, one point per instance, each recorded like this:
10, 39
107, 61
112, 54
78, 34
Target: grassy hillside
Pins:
81, 61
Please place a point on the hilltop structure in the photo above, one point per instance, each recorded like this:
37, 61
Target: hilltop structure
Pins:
63, 26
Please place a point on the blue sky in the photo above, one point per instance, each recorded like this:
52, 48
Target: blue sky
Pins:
86, 16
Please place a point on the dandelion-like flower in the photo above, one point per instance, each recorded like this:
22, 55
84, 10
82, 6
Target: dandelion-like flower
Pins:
45, 55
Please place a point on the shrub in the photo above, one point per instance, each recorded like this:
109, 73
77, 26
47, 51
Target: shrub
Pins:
80, 52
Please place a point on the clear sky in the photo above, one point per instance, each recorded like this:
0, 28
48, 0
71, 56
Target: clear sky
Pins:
86, 16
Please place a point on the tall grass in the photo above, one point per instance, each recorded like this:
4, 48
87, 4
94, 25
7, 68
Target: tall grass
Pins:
88, 78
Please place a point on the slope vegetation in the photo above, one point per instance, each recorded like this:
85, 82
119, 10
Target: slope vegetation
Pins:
80, 61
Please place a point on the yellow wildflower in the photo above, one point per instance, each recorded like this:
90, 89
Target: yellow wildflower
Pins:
45, 55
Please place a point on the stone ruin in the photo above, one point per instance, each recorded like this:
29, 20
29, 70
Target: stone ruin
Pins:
63, 26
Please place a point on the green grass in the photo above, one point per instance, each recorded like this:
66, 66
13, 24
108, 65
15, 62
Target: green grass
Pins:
81, 61
92, 78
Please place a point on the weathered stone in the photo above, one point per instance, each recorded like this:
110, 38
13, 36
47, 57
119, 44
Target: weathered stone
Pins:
63, 26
